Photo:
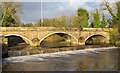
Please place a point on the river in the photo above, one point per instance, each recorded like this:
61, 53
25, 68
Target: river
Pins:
92, 59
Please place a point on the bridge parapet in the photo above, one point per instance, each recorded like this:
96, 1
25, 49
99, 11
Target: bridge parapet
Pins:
98, 29
50, 29
36, 29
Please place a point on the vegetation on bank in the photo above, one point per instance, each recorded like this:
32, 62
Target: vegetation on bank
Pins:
114, 23
10, 17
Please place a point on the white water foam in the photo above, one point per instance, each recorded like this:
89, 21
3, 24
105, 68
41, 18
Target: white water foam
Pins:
41, 57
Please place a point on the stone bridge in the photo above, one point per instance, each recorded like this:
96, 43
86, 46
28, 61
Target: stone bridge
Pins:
74, 35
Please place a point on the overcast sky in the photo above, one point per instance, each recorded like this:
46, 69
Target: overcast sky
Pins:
33, 11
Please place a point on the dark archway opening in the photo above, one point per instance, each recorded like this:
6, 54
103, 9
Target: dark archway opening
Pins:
96, 40
14, 40
57, 40
11, 45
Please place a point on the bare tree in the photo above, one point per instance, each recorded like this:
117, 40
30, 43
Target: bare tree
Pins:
10, 13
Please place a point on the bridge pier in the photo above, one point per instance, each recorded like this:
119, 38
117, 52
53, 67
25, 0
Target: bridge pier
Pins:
35, 44
81, 43
5, 41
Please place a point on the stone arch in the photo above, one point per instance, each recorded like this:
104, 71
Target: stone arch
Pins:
99, 37
24, 38
76, 40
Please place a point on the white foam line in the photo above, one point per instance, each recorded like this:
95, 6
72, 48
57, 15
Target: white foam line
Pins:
41, 57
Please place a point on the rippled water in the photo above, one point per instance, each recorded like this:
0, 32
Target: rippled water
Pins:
102, 59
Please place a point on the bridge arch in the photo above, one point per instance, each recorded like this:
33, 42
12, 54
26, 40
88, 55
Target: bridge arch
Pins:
98, 38
75, 39
24, 38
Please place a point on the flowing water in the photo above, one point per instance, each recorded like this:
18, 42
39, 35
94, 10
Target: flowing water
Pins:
92, 59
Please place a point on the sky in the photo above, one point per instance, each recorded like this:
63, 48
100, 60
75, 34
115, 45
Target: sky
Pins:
34, 10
